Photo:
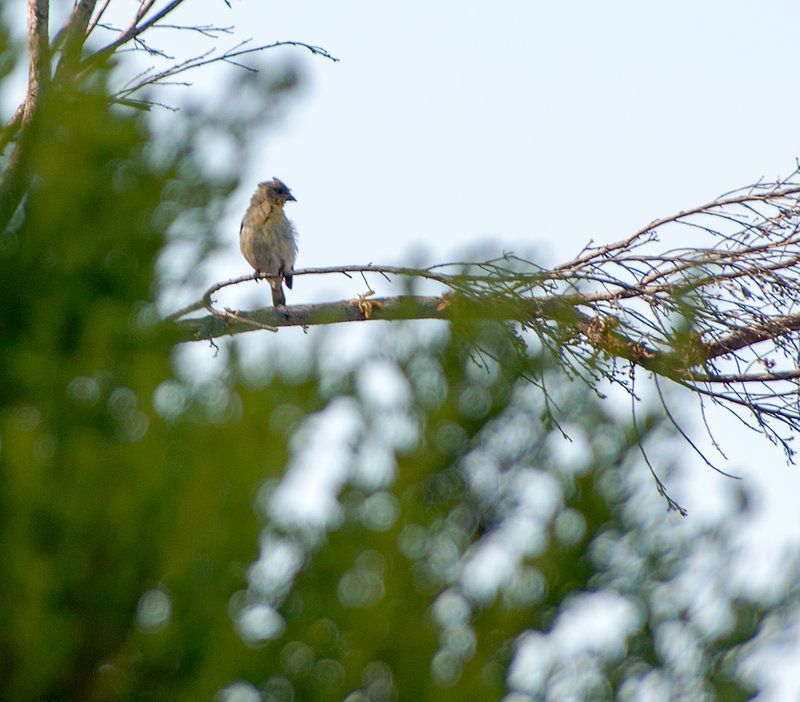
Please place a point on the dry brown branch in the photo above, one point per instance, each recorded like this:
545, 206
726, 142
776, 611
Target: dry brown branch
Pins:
715, 308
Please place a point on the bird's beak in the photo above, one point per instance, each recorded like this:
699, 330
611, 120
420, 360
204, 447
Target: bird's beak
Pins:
291, 197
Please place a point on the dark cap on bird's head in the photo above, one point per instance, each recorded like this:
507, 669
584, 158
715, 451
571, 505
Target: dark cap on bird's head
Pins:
277, 191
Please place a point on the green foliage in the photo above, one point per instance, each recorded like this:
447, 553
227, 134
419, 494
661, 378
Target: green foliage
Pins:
147, 545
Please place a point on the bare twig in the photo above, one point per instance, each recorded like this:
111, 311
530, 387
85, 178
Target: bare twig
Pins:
662, 489
207, 30
96, 21
136, 26
210, 57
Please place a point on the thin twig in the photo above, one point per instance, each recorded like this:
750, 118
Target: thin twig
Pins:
207, 59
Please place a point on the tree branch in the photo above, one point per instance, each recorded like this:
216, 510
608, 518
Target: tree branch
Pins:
72, 37
768, 330
38, 55
225, 323
97, 17
719, 316
13, 183
134, 28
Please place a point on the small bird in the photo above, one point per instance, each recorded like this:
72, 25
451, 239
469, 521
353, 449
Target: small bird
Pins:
267, 238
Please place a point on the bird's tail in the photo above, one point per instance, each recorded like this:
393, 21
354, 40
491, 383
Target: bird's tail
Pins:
278, 299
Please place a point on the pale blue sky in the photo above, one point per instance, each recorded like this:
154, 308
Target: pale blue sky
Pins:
538, 124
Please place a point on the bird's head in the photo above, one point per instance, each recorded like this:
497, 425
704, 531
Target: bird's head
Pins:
276, 192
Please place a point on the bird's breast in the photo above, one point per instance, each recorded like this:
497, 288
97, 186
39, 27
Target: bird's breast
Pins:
268, 243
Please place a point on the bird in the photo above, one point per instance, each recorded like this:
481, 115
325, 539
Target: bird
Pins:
267, 239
